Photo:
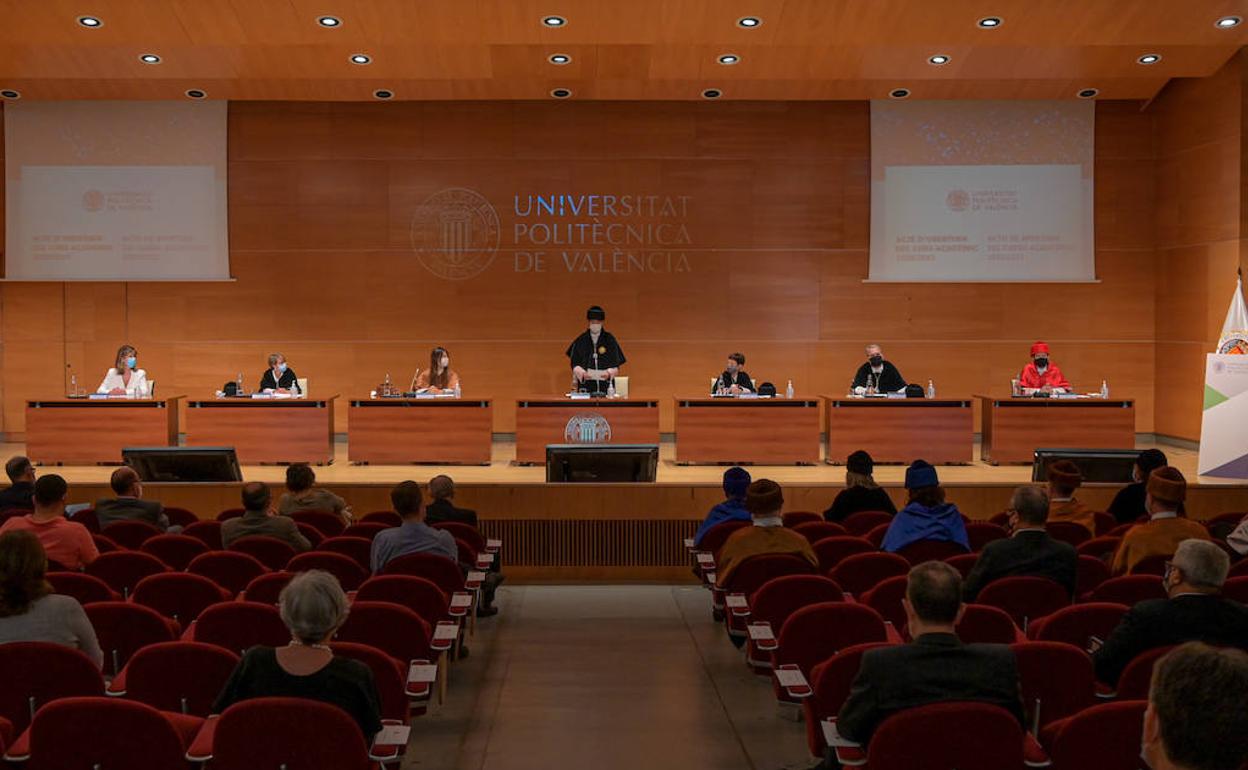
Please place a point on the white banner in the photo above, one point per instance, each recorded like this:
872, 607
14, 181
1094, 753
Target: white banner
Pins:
1224, 423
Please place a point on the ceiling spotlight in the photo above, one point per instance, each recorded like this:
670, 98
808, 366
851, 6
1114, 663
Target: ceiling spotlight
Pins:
899, 93
149, 58
1149, 58
90, 22
559, 58
712, 93
554, 22
1226, 22
938, 59
749, 22
561, 93
1088, 93
383, 93
729, 58
9, 93
330, 22
361, 58
989, 22
196, 93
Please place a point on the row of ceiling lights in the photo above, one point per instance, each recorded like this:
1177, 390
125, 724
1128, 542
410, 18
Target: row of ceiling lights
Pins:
558, 22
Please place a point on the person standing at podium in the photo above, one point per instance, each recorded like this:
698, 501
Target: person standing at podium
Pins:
878, 375
1041, 375
439, 377
734, 380
125, 379
595, 355
279, 377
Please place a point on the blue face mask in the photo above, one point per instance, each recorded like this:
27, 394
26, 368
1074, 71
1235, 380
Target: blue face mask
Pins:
131, 361
282, 367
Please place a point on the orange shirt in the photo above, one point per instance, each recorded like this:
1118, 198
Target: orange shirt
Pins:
756, 540
1074, 511
65, 541
1159, 537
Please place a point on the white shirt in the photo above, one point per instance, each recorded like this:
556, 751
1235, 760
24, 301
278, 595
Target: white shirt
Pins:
137, 387
769, 521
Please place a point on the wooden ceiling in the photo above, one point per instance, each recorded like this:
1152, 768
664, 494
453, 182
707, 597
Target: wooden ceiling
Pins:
620, 49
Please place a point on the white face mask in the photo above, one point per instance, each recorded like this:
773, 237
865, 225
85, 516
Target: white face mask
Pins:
445, 362
595, 328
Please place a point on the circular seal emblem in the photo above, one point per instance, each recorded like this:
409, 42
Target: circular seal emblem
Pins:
587, 428
602, 350
455, 233
93, 200
958, 200
1233, 346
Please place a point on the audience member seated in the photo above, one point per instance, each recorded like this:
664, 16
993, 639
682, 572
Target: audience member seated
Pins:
764, 500
302, 495
129, 505
1029, 551
259, 518
935, 667
21, 484
1196, 718
313, 607
861, 493
440, 508
414, 535
1194, 611
1128, 504
65, 542
29, 611
1064, 478
736, 481
1165, 529
927, 516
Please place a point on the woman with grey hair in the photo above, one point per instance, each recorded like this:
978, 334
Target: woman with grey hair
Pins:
313, 607
279, 377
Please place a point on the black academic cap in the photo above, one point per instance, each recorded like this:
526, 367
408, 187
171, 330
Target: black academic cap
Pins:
596, 313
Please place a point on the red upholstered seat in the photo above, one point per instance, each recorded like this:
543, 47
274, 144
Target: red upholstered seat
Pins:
876, 535
86, 732
327, 523
266, 588
1056, 679
83, 587
207, 531
442, 571
776, 600
1151, 565
365, 529
862, 522
231, 570
981, 624
178, 595
1129, 589
87, 518
1105, 737
123, 628
286, 732
236, 626
174, 550
966, 736
1236, 589
814, 531
1078, 623
1101, 547
981, 533
389, 518
830, 682
358, 549
391, 628
230, 513
1138, 675
122, 570
963, 563
349, 573
930, 550
1090, 572
754, 571
860, 573
1104, 522
714, 538
180, 517
418, 594
816, 632
185, 677
1025, 597
269, 551
831, 550
466, 532
130, 534
37, 673
794, 518
1068, 532
389, 674
885, 598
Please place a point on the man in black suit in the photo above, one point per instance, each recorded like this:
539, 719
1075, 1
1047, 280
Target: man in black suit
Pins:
1194, 611
1029, 551
442, 490
129, 505
935, 667
21, 491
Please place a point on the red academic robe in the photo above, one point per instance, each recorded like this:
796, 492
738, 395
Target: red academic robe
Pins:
1053, 377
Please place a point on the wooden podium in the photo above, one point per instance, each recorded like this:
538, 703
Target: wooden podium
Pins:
1014, 428
560, 420
759, 431
900, 430
83, 431
262, 430
443, 431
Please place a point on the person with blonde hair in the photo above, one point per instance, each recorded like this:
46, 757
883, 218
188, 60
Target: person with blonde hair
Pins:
125, 378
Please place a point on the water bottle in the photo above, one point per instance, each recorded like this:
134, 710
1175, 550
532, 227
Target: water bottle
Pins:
931, 389
73, 384
238, 385
458, 389
1104, 389
386, 390
788, 391
611, 388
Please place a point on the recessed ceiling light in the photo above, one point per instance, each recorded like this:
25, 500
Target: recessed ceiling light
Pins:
1149, 58
196, 93
149, 58
9, 93
729, 58
938, 59
561, 93
560, 58
330, 22
749, 22
554, 22
712, 93
989, 22
1088, 93
90, 22
361, 58
899, 93
1226, 22
383, 93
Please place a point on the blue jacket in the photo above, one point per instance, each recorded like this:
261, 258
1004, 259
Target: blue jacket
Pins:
729, 510
917, 522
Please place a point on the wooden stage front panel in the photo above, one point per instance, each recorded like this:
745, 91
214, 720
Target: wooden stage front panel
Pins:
294, 430
541, 421
1014, 428
420, 430
900, 430
753, 431
90, 431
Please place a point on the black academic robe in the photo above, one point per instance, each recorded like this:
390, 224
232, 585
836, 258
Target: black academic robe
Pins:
289, 380
741, 380
582, 353
889, 381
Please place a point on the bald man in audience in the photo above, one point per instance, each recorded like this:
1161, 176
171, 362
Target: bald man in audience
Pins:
1165, 529
1064, 478
129, 505
1196, 718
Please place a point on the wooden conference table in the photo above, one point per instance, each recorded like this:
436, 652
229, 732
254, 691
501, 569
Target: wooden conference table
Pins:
265, 430
420, 430
86, 431
1014, 428
900, 430
543, 420
760, 431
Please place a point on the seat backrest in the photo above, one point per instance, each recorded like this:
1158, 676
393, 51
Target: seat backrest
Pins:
104, 544
981, 624
87, 518
862, 522
1236, 589
962, 562
358, 549
350, 574
816, 632
1151, 565
209, 532
83, 587
391, 628
794, 518
365, 529
966, 736
123, 570
178, 595
1138, 675
236, 626
714, 538
981, 533
1238, 569
389, 674
123, 627
1068, 532
830, 683
389, 518
1025, 597
885, 598
930, 550
831, 550
269, 551
230, 513
101, 732
327, 523
1129, 589
778, 598
753, 571
1090, 572
1106, 736
1101, 547
266, 588
183, 677
814, 531
231, 570
418, 594
876, 535
36, 673
860, 573
130, 533
1076, 624
287, 732
180, 517
466, 532
1104, 522
441, 570
174, 550
1056, 680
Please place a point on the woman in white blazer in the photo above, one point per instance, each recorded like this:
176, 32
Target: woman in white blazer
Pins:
124, 379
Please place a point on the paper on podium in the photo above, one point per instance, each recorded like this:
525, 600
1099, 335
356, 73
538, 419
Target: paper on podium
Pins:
597, 374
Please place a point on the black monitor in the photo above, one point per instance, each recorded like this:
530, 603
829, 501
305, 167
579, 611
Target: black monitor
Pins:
1112, 466
601, 463
174, 464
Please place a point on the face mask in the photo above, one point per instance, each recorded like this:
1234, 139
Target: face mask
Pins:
876, 360
131, 361
1042, 363
282, 367
595, 328
445, 362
